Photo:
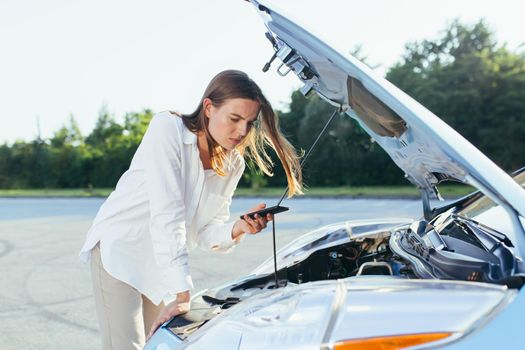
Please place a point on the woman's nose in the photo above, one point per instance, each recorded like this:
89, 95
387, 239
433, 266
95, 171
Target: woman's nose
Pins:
243, 130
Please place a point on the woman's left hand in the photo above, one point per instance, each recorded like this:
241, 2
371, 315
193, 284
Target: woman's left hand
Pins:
179, 306
249, 225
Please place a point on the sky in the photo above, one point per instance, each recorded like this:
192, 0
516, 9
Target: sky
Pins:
62, 58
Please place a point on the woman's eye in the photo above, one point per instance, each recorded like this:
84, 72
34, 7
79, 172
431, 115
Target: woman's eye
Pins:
234, 119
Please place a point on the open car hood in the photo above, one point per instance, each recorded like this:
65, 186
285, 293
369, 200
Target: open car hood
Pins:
422, 145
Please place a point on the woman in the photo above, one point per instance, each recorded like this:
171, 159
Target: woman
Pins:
176, 195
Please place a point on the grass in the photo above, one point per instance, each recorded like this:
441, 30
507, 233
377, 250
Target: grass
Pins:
360, 191
56, 192
342, 191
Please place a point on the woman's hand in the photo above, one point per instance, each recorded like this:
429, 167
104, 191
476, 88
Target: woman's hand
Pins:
249, 225
180, 305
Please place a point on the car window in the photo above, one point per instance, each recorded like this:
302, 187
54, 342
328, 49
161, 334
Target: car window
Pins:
484, 203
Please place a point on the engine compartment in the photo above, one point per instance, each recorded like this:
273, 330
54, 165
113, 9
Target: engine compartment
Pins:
363, 256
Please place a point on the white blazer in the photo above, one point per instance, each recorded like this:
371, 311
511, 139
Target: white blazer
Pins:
163, 204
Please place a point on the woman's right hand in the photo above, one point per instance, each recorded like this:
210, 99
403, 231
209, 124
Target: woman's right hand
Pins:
180, 305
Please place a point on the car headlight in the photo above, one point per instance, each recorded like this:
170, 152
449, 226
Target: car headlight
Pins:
394, 342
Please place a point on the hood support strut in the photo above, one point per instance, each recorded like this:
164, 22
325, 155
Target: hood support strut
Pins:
428, 212
337, 111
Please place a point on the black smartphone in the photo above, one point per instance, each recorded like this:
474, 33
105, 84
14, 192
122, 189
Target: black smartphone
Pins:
270, 210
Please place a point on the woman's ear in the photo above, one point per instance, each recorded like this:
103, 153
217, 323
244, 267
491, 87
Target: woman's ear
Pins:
207, 106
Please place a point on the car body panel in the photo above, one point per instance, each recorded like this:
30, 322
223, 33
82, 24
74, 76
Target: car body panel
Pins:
506, 329
163, 339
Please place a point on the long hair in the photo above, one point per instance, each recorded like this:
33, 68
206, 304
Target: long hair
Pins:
236, 84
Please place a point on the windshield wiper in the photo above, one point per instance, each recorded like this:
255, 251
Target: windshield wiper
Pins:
501, 237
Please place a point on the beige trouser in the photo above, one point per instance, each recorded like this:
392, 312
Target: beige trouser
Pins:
124, 314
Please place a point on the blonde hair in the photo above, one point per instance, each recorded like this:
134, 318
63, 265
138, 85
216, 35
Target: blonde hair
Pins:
236, 84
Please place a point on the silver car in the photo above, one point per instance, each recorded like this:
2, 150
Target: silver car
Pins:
451, 279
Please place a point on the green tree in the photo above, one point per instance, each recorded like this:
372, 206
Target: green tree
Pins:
65, 158
111, 146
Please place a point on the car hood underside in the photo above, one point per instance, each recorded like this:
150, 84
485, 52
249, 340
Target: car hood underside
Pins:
421, 144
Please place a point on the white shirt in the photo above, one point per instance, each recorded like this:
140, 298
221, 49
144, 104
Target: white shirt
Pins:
163, 204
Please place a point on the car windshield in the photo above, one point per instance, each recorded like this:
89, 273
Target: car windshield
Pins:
484, 203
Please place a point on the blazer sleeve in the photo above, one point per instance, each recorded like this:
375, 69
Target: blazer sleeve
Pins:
216, 235
162, 145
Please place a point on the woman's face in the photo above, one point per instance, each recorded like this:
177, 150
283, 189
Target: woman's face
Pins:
230, 122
